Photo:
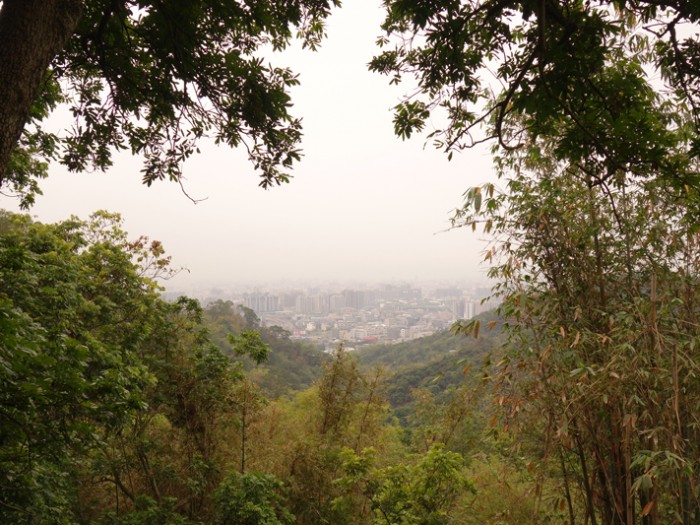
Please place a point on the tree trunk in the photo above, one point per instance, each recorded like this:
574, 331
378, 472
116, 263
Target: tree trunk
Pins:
32, 33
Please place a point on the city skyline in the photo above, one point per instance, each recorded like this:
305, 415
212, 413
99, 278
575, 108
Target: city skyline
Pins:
385, 313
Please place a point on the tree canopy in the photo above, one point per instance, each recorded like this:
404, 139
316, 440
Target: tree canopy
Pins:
616, 82
593, 112
613, 84
148, 77
75, 313
595, 231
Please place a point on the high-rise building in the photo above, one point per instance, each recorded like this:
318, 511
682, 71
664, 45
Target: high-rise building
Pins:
261, 302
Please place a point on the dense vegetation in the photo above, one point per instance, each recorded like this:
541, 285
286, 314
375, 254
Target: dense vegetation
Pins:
117, 407
592, 110
437, 364
289, 366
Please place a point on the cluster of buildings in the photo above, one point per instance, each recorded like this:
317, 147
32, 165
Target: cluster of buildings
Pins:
383, 314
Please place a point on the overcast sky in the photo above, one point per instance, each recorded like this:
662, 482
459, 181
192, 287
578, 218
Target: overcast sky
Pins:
362, 206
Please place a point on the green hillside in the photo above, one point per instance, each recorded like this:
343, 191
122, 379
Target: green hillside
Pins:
291, 365
439, 363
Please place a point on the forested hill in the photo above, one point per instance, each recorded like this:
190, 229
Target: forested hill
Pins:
290, 365
438, 362
418, 352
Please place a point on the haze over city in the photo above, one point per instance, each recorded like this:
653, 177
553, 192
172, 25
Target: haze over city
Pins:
362, 206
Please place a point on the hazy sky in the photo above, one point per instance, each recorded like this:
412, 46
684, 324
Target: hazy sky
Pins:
362, 206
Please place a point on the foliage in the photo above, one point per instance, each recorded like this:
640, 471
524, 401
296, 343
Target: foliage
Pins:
599, 283
73, 316
251, 499
249, 403
595, 235
425, 350
114, 403
572, 73
418, 494
338, 392
455, 419
346, 411
180, 448
117, 408
290, 365
250, 344
154, 78
148, 512
299, 439
505, 494
437, 364
150, 427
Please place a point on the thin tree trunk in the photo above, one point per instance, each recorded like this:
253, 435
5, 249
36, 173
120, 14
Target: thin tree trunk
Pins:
368, 405
32, 33
629, 496
244, 430
567, 490
585, 477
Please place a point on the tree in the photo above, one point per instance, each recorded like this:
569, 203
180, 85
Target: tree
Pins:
572, 72
346, 409
249, 403
174, 451
595, 241
251, 499
422, 493
74, 315
150, 77
289, 365
599, 284
247, 397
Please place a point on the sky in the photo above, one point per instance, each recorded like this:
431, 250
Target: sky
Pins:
362, 206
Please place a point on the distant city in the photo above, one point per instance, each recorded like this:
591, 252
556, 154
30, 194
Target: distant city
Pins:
385, 313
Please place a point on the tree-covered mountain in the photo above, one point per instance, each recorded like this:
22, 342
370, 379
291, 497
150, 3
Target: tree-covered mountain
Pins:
290, 366
438, 363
